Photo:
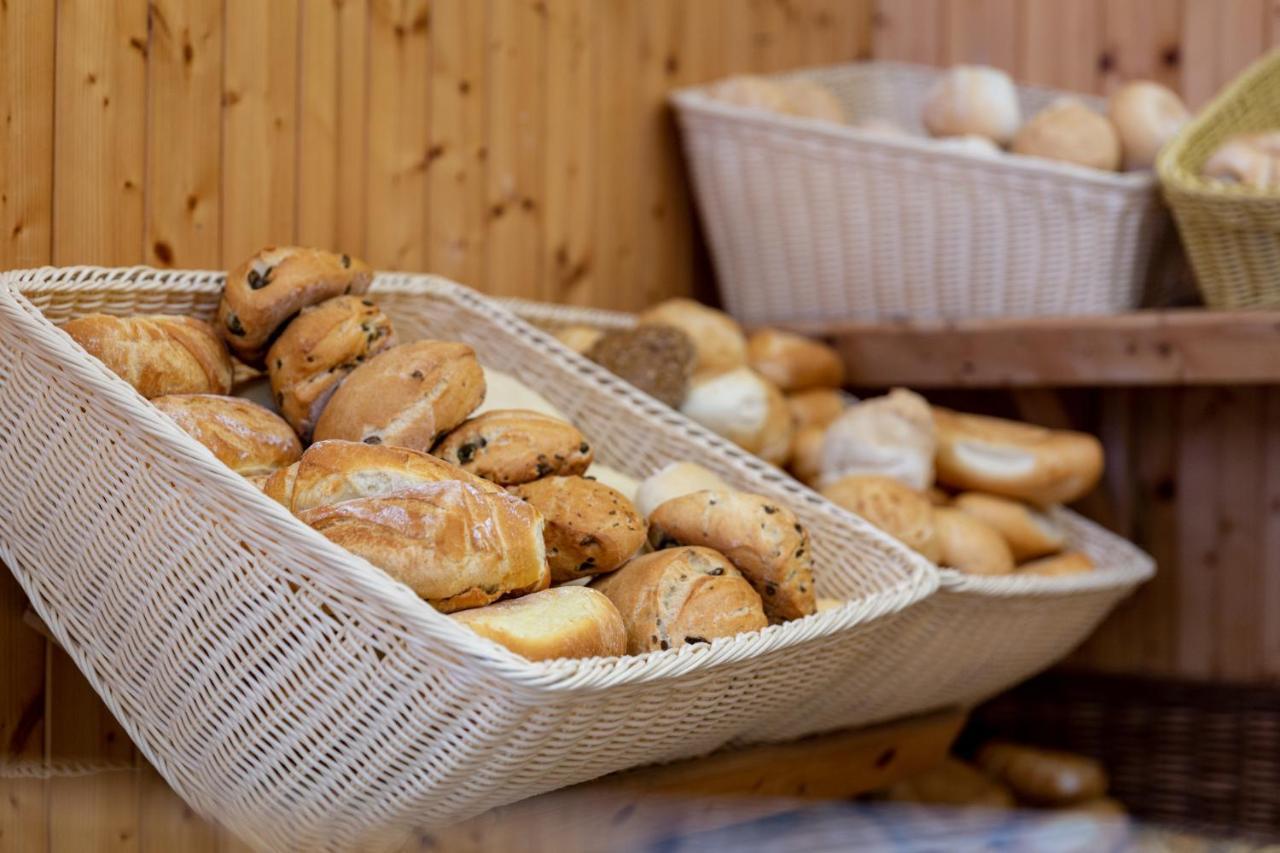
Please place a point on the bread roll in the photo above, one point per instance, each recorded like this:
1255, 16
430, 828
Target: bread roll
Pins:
658, 360
763, 540
674, 480
425, 536
886, 503
504, 391
969, 545
808, 99
155, 353
579, 338
823, 604
513, 446
565, 622
589, 528
624, 483
318, 349
973, 99
1251, 159
1145, 115
1014, 459
1029, 533
937, 496
1068, 563
408, 396
805, 463
952, 783
1043, 776
745, 408
245, 437
977, 146
264, 292
1070, 132
751, 91
681, 596
718, 341
891, 435
794, 362
818, 407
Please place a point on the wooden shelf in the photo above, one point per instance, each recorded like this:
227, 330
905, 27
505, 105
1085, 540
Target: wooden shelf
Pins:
1183, 347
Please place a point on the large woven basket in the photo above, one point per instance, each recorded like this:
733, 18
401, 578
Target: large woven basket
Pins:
1232, 232
294, 692
812, 221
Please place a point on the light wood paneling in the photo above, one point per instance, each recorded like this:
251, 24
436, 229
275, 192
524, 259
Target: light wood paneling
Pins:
1061, 44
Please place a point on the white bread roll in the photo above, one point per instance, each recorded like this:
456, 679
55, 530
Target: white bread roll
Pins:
673, 481
1251, 159
565, 622
745, 408
973, 99
891, 435
718, 341
978, 146
1070, 132
1146, 115
504, 391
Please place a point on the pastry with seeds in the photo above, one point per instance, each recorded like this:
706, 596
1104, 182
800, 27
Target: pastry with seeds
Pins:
565, 622
248, 439
514, 446
157, 354
590, 528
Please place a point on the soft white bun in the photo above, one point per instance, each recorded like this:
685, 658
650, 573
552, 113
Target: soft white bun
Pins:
1252, 159
504, 391
745, 408
891, 435
615, 479
673, 481
1146, 115
973, 99
978, 146
1070, 132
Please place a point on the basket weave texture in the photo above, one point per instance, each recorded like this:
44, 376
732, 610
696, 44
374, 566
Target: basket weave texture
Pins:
811, 221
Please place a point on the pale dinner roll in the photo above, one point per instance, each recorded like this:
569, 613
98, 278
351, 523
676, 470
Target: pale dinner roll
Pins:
794, 362
745, 408
809, 99
1068, 563
818, 407
717, 338
579, 338
513, 446
245, 437
590, 528
978, 146
1145, 115
973, 100
1070, 132
805, 463
565, 622
886, 503
673, 481
157, 354
625, 484
1029, 533
891, 435
1251, 159
1015, 460
504, 391
752, 91
969, 545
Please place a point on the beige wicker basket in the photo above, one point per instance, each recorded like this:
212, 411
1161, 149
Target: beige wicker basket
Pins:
812, 221
294, 692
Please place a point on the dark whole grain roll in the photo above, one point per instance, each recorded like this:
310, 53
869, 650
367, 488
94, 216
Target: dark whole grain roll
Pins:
656, 359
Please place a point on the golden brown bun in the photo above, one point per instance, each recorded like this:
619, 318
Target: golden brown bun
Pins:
1014, 459
745, 408
681, 596
1042, 776
245, 437
504, 391
1028, 532
749, 90
1251, 159
763, 540
656, 359
408, 396
794, 362
952, 783
425, 537
807, 99
805, 463
1070, 132
264, 292
717, 338
969, 545
672, 481
590, 528
156, 353
904, 514
892, 435
937, 496
973, 100
565, 622
1146, 115
513, 446
817, 407
316, 352
579, 338
1069, 563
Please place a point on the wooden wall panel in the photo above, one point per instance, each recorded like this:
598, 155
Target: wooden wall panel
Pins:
1061, 44
319, 49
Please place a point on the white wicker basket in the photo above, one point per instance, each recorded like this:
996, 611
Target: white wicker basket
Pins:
812, 221
294, 692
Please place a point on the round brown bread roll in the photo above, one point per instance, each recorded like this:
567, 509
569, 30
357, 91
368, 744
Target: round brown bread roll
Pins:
886, 503
973, 100
1146, 115
1028, 532
1070, 132
157, 354
763, 540
579, 338
952, 783
409, 396
969, 545
718, 341
565, 622
513, 446
316, 352
656, 359
745, 408
245, 437
590, 528
805, 463
1043, 776
672, 481
1069, 563
681, 596
264, 292
425, 537
1015, 460
794, 362
818, 407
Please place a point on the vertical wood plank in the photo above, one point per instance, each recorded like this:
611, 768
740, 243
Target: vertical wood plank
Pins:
169, 824
1270, 535
983, 32
1061, 44
1142, 41
1219, 40
26, 159
1199, 564
318, 162
352, 124
910, 31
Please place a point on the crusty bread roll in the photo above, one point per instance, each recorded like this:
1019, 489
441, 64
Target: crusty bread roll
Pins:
1014, 459
718, 341
817, 407
904, 514
264, 292
952, 783
318, 349
589, 528
513, 446
579, 338
763, 540
245, 437
504, 391
794, 362
805, 462
565, 622
659, 360
891, 435
1068, 563
973, 99
1145, 115
408, 396
681, 596
425, 536
969, 545
673, 481
1251, 159
155, 353
1070, 132
1029, 533
623, 483
810, 99
745, 408
1043, 777
749, 90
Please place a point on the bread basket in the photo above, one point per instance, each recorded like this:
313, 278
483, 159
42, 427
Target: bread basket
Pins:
814, 221
297, 694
